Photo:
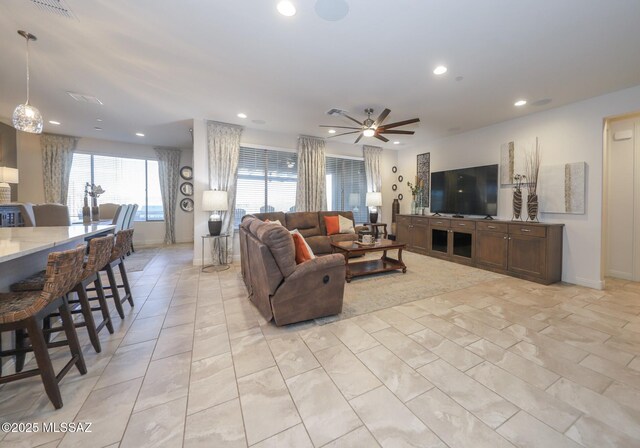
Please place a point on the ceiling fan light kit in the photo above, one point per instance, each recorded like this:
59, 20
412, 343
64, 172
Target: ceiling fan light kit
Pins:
369, 127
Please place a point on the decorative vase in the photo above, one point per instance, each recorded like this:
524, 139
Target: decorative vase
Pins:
532, 207
86, 211
395, 209
413, 206
517, 205
95, 210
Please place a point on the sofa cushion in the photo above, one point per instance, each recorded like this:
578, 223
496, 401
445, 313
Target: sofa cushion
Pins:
332, 224
323, 228
343, 237
271, 216
346, 225
303, 251
319, 244
280, 244
307, 223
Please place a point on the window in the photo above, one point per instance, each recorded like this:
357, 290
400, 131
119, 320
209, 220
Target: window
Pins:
347, 186
125, 181
266, 182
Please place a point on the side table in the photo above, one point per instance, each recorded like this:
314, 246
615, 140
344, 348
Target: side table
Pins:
374, 229
219, 249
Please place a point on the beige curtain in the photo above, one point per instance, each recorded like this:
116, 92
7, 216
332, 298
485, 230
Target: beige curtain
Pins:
372, 168
169, 171
311, 185
57, 157
223, 141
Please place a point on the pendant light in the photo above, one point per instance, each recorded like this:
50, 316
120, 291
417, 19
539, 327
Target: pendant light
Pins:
27, 118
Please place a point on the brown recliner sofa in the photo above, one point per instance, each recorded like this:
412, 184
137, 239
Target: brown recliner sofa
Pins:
281, 289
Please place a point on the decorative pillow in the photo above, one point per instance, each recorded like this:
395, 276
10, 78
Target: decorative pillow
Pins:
303, 251
275, 221
346, 225
332, 223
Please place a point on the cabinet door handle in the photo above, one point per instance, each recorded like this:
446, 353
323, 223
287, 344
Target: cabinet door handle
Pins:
525, 230
461, 224
491, 227
505, 237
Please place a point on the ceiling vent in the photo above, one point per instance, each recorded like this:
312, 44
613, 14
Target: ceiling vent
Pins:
84, 98
54, 7
334, 112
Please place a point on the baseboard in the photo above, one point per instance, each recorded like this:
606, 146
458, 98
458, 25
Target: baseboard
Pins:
589, 283
620, 274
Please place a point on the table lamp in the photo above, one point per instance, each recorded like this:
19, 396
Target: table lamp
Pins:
374, 200
215, 201
7, 176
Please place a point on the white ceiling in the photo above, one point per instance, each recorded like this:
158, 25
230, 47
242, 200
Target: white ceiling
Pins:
157, 64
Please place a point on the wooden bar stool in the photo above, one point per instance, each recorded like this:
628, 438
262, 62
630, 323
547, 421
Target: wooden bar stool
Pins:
26, 310
122, 246
99, 253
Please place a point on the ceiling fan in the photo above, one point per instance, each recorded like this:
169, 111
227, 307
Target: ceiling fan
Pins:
371, 128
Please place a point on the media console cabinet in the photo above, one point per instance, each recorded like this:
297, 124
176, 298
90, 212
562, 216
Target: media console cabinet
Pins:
531, 251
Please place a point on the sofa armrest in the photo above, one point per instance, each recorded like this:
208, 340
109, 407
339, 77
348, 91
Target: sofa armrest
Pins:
317, 264
359, 228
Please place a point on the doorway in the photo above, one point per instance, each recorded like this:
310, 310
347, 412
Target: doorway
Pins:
622, 198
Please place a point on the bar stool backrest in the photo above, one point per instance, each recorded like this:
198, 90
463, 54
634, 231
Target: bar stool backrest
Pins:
99, 254
64, 271
122, 244
132, 217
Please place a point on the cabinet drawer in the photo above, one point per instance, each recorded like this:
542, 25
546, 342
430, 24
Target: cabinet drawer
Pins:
420, 221
439, 222
463, 224
492, 227
520, 229
403, 220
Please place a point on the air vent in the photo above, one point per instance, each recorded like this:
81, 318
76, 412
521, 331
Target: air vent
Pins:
84, 98
336, 112
54, 7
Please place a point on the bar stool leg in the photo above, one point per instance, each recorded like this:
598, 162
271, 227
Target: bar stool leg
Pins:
20, 338
125, 282
44, 362
72, 336
85, 307
104, 308
46, 325
114, 290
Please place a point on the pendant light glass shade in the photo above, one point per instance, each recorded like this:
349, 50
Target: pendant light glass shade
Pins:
27, 118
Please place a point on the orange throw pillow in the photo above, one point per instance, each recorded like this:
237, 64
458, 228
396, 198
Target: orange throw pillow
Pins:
303, 251
332, 223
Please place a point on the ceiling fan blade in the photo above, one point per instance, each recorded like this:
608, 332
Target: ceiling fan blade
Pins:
396, 132
352, 119
400, 123
380, 137
346, 133
382, 117
358, 139
337, 127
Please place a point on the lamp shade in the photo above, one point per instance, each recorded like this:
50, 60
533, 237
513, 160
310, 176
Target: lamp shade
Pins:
374, 199
214, 200
8, 175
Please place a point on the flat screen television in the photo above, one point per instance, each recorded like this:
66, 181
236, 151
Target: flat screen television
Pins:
465, 191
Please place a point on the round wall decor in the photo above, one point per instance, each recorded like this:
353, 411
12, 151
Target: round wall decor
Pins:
394, 187
394, 169
186, 205
400, 197
186, 172
400, 178
186, 188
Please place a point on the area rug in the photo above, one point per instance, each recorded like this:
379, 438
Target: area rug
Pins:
425, 277
139, 259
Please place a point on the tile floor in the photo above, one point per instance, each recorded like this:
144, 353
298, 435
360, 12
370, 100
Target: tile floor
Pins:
502, 364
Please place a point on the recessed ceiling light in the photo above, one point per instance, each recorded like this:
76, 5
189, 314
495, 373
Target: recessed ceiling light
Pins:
242, 115
286, 8
440, 70
332, 131
97, 128
57, 123
139, 134
396, 143
520, 103
99, 120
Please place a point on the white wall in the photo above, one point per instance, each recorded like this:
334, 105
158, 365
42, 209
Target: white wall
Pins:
31, 188
276, 141
572, 133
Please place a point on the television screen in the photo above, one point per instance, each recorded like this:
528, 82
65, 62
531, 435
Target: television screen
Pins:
466, 191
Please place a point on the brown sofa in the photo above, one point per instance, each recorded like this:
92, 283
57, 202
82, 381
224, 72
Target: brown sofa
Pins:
281, 289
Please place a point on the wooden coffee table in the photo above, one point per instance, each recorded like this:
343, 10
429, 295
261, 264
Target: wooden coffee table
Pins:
368, 267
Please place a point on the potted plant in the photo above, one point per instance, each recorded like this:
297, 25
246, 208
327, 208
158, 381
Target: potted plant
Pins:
416, 190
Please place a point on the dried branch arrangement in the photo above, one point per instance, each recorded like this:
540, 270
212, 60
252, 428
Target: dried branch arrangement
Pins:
532, 167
